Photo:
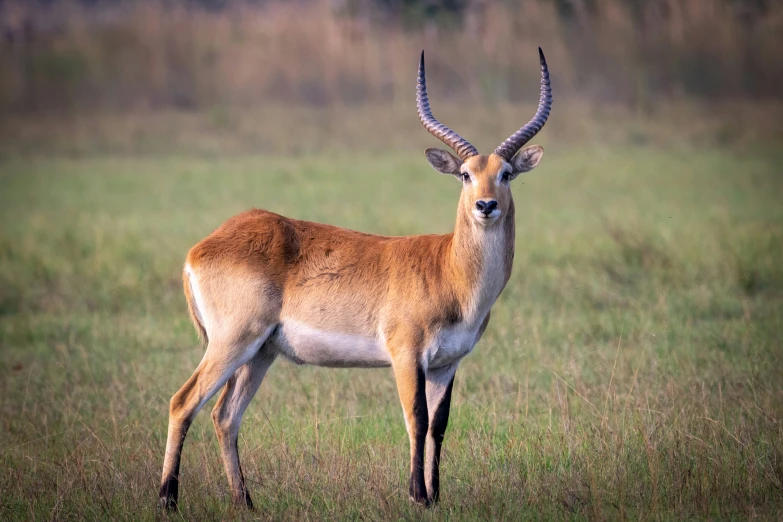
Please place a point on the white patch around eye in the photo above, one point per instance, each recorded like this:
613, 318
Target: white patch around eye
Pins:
505, 169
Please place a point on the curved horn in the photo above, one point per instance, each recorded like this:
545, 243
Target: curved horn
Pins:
460, 145
508, 148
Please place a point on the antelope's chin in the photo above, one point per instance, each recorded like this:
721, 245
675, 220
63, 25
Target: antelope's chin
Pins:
486, 220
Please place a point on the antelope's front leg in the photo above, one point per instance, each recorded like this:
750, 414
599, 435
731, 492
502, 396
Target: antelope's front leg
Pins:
439, 384
411, 387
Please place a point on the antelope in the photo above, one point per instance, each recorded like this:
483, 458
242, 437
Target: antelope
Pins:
263, 285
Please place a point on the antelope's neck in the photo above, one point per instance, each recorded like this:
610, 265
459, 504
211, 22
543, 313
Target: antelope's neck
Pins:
482, 258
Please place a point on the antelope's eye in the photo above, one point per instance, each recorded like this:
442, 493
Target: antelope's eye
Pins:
506, 176
465, 176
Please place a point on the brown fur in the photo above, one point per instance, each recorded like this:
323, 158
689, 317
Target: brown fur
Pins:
337, 278
259, 270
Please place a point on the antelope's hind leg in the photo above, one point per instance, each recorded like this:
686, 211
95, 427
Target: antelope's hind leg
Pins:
221, 359
227, 417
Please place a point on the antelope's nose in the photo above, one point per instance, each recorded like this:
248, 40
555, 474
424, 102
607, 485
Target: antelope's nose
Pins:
486, 206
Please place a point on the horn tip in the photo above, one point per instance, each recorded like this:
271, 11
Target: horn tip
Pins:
541, 56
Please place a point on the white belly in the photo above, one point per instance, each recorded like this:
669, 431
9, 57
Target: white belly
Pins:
304, 344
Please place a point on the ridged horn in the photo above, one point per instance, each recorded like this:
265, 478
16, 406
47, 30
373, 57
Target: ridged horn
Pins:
460, 145
508, 148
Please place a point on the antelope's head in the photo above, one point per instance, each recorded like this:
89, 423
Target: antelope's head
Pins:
486, 189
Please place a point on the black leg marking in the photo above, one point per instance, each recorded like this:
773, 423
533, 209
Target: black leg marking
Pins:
169, 492
440, 421
169, 489
245, 498
417, 487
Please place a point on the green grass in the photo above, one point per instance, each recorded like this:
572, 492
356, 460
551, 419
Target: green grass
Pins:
632, 367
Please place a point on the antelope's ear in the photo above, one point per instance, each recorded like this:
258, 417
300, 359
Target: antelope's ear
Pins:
526, 160
443, 161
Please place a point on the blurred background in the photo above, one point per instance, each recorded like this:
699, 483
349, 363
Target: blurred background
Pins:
632, 367
711, 66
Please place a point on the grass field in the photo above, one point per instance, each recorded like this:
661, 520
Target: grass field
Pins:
633, 367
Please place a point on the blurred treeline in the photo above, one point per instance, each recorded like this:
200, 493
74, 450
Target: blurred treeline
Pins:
66, 56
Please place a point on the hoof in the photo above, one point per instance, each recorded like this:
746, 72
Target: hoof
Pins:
424, 502
168, 503
417, 492
168, 495
244, 502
